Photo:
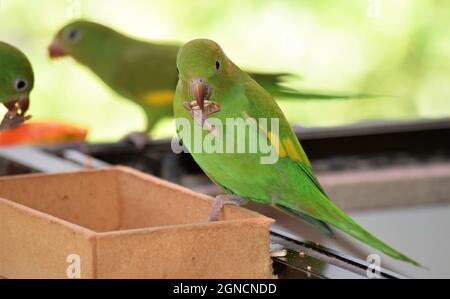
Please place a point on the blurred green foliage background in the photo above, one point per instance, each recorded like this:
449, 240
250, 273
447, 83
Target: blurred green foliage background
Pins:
399, 48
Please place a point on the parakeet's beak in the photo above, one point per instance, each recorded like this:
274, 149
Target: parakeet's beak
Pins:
55, 49
202, 106
22, 104
201, 92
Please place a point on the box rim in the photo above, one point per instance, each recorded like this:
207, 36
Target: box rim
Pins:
50, 217
180, 188
143, 230
255, 216
55, 174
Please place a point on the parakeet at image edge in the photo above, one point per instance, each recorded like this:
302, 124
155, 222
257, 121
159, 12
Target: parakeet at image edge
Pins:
211, 83
141, 71
16, 83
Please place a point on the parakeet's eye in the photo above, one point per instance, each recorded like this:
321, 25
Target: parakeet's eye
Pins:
217, 65
20, 84
73, 35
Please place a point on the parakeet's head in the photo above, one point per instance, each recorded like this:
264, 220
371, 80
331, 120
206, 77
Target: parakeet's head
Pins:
203, 65
16, 78
82, 40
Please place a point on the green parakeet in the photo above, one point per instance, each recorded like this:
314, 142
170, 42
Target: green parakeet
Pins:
16, 83
141, 71
212, 92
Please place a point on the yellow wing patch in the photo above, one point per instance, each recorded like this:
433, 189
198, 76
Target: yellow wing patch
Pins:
159, 97
291, 150
286, 148
275, 141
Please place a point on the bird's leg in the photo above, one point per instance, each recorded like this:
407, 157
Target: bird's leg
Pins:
220, 201
138, 139
141, 139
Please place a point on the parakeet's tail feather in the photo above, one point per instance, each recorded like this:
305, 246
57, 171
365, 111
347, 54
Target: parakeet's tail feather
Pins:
339, 219
325, 210
272, 83
317, 224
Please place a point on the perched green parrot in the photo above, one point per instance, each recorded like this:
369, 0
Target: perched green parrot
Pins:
141, 71
211, 93
16, 83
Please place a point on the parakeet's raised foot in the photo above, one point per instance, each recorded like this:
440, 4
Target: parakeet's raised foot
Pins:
13, 120
138, 139
202, 109
220, 201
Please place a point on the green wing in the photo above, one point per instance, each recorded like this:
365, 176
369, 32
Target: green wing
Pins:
145, 68
272, 82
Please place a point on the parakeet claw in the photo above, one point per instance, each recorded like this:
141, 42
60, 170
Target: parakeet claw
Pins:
201, 116
209, 107
222, 200
15, 116
13, 120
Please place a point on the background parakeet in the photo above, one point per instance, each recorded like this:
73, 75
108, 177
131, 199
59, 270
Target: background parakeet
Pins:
141, 71
16, 83
212, 87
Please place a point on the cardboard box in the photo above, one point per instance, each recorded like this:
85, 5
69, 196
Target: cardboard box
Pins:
120, 223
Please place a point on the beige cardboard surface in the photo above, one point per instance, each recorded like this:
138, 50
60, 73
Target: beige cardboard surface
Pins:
89, 199
162, 203
36, 245
224, 250
122, 223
